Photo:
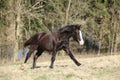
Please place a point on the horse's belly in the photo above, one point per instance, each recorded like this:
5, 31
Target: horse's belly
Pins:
46, 45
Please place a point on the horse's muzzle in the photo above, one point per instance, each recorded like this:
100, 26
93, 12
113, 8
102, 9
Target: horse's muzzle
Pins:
81, 42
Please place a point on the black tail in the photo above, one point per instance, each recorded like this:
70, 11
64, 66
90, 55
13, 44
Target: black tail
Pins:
26, 43
32, 40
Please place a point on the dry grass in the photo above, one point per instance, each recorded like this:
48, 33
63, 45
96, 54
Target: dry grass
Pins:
95, 68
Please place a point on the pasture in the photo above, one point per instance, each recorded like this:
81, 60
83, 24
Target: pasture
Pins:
92, 68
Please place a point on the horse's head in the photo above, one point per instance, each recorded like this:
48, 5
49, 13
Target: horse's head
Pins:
73, 31
77, 34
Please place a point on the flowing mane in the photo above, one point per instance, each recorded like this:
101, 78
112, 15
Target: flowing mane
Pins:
68, 27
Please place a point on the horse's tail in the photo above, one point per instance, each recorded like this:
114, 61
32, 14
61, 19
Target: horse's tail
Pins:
34, 39
31, 40
27, 43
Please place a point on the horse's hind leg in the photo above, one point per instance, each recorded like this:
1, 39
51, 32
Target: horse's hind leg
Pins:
52, 59
39, 52
31, 50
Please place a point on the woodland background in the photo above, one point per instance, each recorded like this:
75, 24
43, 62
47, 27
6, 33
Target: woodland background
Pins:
20, 19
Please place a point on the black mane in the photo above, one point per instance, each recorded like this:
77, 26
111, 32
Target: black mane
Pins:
70, 27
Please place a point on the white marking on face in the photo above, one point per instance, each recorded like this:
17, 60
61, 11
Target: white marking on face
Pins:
81, 42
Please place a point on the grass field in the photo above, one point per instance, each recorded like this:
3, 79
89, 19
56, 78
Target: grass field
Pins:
93, 68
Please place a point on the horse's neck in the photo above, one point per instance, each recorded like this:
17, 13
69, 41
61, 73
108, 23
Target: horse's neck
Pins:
64, 36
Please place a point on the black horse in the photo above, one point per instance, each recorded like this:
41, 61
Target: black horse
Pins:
53, 42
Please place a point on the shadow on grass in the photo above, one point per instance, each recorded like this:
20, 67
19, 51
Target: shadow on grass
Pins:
45, 66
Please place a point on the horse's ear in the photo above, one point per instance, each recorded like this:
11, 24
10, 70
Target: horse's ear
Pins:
78, 26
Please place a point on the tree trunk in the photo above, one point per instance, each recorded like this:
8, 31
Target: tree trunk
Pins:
116, 43
67, 12
11, 29
19, 23
14, 26
100, 38
112, 46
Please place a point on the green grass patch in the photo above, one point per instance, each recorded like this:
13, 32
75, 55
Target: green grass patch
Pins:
70, 75
43, 77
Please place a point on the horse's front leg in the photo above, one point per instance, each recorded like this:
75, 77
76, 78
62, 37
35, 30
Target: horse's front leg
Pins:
53, 59
67, 50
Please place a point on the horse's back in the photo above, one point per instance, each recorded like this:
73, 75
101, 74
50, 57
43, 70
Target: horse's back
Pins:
34, 40
48, 41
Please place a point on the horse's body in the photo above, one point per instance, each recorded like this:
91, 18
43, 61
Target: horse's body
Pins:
52, 42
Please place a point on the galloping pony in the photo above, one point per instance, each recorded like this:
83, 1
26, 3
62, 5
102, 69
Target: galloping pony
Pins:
53, 42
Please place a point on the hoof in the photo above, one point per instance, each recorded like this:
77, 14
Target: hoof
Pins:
32, 67
25, 61
51, 67
78, 64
